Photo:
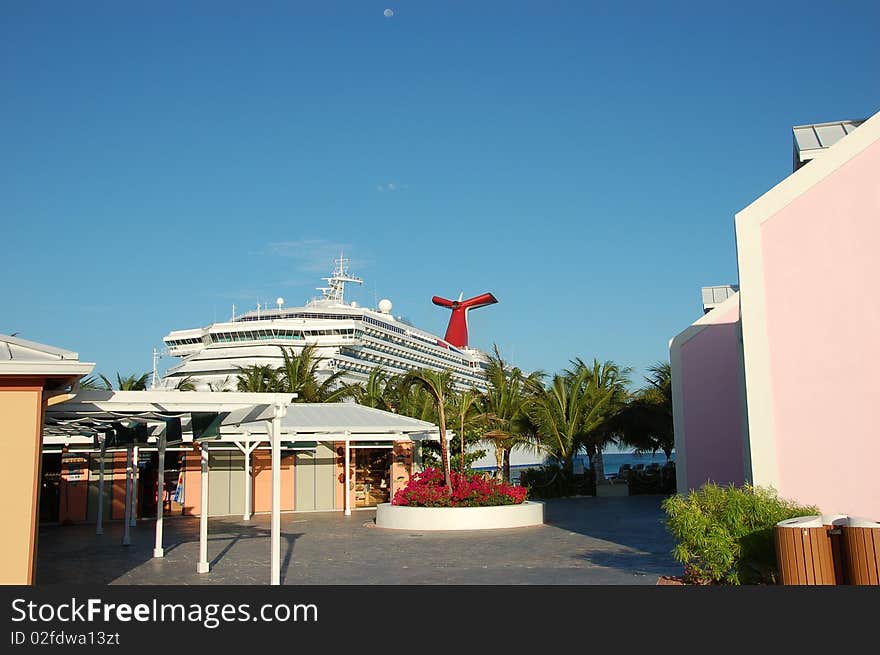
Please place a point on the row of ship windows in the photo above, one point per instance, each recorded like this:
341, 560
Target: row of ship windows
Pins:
423, 360
436, 352
265, 335
386, 326
370, 363
183, 342
343, 317
403, 353
398, 341
298, 315
258, 335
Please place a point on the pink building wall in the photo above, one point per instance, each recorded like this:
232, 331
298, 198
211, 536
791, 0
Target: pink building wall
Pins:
708, 399
821, 258
809, 324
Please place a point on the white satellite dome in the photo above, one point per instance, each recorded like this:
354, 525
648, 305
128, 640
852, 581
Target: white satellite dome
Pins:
385, 306
279, 301
354, 303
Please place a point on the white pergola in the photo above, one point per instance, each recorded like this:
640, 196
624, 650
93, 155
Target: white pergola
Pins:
134, 418
96, 420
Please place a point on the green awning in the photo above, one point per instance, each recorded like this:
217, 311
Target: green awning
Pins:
126, 436
299, 445
173, 431
206, 425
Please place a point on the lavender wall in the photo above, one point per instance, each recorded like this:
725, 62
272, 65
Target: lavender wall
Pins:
708, 402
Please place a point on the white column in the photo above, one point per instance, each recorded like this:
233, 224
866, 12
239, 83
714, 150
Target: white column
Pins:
246, 450
135, 473
275, 552
126, 534
250, 489
99, 527
158, 550
203, 566
347, 475
247, 481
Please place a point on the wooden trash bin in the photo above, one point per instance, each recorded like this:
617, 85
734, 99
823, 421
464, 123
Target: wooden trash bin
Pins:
834, 523
803, 552
861, 545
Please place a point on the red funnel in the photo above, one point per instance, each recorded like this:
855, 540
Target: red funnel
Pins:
457, 331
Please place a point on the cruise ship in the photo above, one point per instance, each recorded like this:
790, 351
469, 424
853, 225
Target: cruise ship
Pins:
348, 337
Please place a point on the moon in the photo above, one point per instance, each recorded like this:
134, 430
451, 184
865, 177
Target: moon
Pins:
388, 13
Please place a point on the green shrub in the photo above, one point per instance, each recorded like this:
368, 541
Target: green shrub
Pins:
725, 534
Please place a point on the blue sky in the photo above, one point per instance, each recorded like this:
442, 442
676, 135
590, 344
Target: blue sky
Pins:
582, 162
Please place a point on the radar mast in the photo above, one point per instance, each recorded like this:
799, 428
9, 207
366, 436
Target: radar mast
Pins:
335, 292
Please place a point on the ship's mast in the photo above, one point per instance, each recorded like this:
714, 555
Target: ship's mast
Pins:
153, 383
335, 293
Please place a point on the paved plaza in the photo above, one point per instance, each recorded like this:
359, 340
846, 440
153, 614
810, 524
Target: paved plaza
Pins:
585, 540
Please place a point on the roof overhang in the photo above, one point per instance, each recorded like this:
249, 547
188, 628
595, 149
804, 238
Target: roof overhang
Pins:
88, 418
46, 368
36, 364
143, 416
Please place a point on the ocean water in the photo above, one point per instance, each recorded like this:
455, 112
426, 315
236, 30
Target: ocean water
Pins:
612, 462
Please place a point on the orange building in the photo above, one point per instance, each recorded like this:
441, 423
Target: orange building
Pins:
32, 376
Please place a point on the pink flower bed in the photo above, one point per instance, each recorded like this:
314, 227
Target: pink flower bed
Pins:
427, 489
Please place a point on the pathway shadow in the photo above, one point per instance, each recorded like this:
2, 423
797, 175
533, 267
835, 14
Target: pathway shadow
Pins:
635, 524
629, 561
76, 555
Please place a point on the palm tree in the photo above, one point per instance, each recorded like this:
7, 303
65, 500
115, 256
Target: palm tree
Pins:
186, 384
467, 411
412, 400
219, 386
127, 383
299, 375
572, 412
504, 410
609, 389
257, 378
377, 391
556, 411
524, 438
437, 385
645, 422
91, 383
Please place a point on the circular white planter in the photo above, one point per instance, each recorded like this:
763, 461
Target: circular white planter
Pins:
401, 517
